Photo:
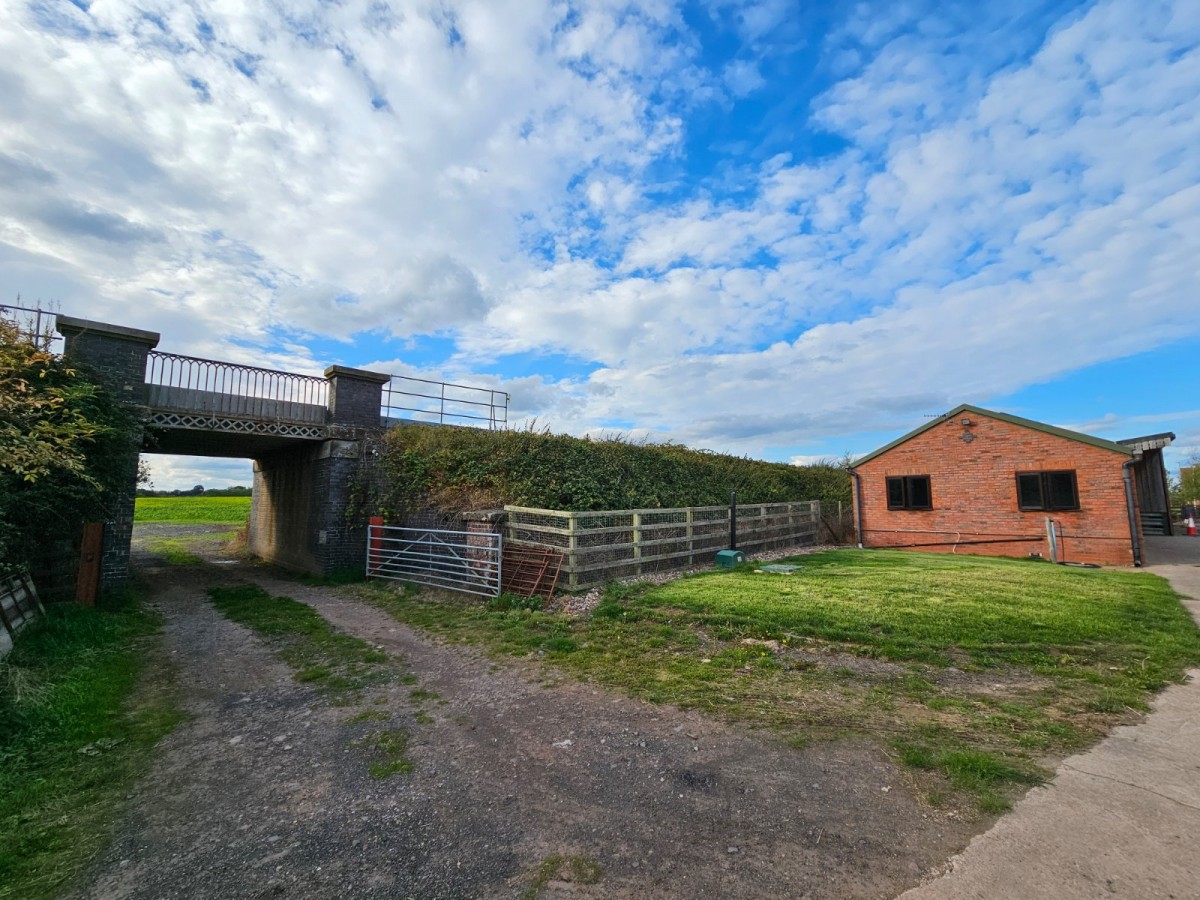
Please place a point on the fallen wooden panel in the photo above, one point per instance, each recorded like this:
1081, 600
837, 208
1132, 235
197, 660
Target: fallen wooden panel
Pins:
19, 607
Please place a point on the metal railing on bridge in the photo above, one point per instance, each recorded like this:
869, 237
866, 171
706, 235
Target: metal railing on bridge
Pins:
190, 384
444, 403
194, 385
34, 324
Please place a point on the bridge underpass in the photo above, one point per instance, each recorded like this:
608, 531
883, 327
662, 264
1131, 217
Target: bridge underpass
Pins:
310, 438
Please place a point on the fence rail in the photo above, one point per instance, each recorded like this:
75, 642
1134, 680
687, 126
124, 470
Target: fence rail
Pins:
454, 560
190, 384
601, 546
444, 403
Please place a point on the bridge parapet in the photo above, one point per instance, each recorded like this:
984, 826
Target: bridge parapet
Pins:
191, 384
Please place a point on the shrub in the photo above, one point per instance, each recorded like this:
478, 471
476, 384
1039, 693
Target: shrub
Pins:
462, 468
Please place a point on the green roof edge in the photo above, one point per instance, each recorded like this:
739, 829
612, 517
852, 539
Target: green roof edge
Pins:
1003, 417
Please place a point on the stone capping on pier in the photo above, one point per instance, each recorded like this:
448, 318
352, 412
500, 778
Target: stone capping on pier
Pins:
355, 396
70, 326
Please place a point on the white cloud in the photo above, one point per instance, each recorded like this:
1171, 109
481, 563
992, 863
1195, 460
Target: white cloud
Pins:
181, 473
493, 171
1052, 224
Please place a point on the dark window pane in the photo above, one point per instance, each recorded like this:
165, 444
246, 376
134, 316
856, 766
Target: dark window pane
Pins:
1060, 490
1029, 491
895, 489
918, 492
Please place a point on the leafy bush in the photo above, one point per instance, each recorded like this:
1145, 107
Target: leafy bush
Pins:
66, 447
463, 468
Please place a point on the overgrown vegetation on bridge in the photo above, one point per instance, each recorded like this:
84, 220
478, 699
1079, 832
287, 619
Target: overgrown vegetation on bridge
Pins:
465, 468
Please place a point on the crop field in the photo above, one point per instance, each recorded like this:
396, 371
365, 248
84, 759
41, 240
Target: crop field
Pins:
232, 510
978, 673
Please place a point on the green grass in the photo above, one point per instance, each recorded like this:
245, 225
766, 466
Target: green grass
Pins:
390, 748
174, 551
77, 726
231, 510
577, 869
986, 666
339, 665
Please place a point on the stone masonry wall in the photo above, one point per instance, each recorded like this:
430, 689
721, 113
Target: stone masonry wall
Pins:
302, 515
117, 357
974, 492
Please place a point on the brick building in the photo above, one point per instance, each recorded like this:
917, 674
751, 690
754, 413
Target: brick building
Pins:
977, 481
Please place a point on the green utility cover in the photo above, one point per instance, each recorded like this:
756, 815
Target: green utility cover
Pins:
727, 559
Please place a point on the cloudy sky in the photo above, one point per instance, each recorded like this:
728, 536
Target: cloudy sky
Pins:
783, 229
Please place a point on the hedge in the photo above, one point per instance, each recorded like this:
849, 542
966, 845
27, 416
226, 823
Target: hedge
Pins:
465, 468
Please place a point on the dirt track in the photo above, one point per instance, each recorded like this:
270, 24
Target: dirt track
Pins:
265, 792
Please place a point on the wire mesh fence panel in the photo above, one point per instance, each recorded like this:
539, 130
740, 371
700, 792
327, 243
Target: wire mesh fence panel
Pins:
604, 545
464, 561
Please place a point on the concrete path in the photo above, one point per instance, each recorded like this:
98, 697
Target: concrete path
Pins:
1171, 550
1121, 820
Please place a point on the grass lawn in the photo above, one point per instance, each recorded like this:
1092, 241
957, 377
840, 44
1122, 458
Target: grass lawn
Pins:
192, 509
77, 725
976, 672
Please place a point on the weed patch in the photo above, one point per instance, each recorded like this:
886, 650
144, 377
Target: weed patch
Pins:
337, 664
174, 551
577, 869
390, 748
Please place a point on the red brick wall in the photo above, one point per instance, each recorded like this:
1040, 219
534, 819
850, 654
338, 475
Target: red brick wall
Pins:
974, 490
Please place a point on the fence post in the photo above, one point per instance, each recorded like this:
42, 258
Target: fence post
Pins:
91, 548
690, 541
572, 547
374, 542
637, 543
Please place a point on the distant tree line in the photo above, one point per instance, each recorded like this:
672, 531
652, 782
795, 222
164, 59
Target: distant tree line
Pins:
199, 490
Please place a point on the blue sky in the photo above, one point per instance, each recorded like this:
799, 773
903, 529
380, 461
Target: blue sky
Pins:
777, 229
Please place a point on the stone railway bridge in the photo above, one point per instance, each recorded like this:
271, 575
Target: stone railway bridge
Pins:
309, 437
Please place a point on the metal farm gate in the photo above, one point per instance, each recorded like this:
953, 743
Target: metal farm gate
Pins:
454, 560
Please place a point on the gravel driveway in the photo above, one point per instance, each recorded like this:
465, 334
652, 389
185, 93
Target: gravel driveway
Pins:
265, 791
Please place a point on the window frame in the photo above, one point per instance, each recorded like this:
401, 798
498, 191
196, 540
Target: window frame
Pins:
1043, 481
906, 481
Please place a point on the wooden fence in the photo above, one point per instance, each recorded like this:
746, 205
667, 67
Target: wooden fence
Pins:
601, 546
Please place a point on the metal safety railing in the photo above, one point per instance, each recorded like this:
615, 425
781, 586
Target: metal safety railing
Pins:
190, 384
453, 560
444, 403
34, 324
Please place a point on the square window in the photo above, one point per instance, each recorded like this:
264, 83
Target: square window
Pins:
909, 492
1047, 490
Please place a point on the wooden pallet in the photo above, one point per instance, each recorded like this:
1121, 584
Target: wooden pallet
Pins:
530, 571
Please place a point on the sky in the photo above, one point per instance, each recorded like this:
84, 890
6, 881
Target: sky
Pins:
786, 230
